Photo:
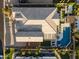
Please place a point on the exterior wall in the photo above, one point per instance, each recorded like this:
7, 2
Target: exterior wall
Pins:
49, 36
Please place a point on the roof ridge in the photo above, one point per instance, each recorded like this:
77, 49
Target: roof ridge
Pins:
51, 25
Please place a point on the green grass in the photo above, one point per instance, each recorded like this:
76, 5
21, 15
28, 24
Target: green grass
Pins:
72, 3
77, 54
77, 45
76, 34
65, 56
10, 53
46, 43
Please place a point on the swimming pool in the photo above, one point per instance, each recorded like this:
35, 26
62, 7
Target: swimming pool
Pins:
65, 40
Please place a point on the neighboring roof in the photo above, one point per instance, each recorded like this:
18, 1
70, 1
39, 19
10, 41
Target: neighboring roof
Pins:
77, 1
36, 13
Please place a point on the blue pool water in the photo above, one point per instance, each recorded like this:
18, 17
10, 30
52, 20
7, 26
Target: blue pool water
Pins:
63, 43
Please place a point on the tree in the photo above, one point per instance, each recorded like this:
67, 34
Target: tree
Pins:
76, 35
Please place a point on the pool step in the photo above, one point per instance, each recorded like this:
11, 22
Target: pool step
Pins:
53, 43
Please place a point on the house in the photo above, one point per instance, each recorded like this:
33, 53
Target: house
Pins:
32, 31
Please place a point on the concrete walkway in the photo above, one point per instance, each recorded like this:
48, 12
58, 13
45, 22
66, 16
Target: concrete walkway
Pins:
57, 54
